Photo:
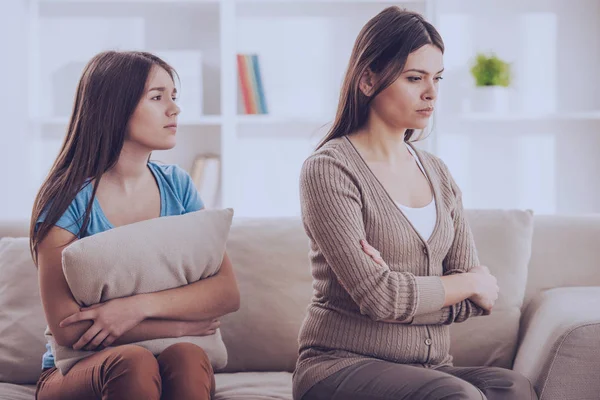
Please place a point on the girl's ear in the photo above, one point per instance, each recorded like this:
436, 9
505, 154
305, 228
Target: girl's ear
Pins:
366, 83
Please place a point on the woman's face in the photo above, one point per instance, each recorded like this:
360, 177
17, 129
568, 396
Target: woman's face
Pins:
153, 124
409, 101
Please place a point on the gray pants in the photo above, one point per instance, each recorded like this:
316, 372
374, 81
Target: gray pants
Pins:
381, 380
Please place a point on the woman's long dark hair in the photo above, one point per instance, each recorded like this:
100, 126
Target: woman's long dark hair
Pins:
383, 45
110, 88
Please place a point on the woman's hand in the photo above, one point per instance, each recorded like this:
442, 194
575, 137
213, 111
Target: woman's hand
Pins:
373, 253
200, 328
110, 320
485, 287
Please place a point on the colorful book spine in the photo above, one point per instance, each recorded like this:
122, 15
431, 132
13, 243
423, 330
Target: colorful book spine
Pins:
251, 84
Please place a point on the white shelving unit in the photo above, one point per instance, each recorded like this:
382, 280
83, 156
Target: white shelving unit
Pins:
303, 46
542, 155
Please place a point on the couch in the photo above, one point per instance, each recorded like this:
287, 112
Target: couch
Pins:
546, 323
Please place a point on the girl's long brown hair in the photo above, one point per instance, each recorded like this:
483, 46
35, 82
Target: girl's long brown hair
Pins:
383, 45
110, 88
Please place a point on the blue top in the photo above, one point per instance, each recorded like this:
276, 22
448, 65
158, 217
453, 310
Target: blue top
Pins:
178, 195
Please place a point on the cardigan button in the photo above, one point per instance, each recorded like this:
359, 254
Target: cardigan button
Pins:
428, 342
425, 250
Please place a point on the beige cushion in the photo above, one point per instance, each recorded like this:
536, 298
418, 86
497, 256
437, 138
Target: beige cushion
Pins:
560, 351
270, 259
144, 257
503, 240
254, 386
22, 320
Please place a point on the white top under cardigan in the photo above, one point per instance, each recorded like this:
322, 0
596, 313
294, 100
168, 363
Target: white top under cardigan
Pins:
422, 218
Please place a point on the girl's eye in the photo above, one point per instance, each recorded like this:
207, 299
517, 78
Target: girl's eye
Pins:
439, 78
414, 78
157, 97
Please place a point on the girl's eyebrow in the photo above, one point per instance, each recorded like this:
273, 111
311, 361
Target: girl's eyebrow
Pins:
161, 89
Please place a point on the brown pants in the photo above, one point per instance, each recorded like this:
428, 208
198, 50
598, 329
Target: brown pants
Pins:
379, 380
182, 371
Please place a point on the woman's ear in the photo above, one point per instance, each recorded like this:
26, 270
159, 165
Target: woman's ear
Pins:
366, 83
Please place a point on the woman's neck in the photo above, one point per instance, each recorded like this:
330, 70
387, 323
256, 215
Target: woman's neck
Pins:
381, 143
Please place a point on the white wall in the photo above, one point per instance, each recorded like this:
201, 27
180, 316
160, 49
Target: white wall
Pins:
16, 190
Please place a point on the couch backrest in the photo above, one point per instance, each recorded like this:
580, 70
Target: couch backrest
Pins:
565, 252
270, 257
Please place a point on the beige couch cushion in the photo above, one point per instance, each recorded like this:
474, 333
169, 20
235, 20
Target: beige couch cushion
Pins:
144, 257
503, 240
270, 259
22, 319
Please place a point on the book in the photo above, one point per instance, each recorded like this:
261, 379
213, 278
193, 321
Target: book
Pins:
251, 85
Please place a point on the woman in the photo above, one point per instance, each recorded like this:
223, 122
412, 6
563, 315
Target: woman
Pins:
393, 258
102, 178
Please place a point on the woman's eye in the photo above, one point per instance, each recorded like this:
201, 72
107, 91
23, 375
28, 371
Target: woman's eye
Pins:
414, 78
157, 97
174, 98
439, 78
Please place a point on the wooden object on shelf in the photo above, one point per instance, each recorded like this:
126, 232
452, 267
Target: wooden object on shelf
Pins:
206, 175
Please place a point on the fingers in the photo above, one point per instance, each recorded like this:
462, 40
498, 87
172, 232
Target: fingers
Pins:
371, 251
97, 341
78, 316
108, 341
87, 337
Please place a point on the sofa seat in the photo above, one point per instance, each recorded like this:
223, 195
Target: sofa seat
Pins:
236, 386
10, 391
254, 386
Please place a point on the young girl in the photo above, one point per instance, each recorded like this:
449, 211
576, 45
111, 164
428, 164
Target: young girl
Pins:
124, 109
393, 258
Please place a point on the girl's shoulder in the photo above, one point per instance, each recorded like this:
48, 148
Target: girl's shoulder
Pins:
171, 174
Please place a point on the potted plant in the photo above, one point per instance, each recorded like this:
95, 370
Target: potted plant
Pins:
492, 79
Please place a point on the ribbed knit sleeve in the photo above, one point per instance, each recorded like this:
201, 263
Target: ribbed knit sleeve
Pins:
331, 209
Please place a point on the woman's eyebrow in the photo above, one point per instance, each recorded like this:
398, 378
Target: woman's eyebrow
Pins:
422, 71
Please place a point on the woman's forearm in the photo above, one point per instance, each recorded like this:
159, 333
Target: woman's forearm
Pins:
205, 299
458, 287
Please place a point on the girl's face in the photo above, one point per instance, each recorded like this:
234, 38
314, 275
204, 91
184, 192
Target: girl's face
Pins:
153, 124
409, 101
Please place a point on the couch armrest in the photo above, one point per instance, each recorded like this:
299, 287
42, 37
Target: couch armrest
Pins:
560, 343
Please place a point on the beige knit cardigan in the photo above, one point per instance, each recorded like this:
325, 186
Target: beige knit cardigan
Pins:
342, 203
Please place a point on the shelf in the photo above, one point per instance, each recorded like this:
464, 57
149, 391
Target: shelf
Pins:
206, 120
274, 120
522, 117
128, 1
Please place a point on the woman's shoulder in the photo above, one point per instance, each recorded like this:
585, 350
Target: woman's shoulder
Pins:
332, 154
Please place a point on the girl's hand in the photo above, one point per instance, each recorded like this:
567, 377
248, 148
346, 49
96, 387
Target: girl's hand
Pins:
373, 253
111, 320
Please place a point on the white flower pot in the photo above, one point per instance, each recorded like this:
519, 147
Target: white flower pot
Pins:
490, 99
